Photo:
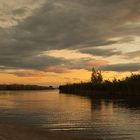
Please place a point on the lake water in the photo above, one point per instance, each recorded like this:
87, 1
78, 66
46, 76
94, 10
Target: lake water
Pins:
107, 119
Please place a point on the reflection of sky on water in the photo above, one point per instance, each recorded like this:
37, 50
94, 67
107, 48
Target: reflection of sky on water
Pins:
53, 111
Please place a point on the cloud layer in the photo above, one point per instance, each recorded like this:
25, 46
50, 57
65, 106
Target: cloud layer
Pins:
122, 67
61, 24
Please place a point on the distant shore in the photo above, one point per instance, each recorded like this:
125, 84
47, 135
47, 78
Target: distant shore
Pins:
24, 87
18, 132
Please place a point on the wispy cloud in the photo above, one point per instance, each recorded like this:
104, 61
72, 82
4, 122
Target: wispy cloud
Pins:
122, 67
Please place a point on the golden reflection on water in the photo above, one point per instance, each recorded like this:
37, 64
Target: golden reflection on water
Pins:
65, 106
56, 111
44, 102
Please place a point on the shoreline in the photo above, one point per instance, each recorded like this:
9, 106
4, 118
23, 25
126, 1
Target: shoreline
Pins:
100, 94
125, 88
19, 132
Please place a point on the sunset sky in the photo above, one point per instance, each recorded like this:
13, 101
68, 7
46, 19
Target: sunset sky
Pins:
51, 42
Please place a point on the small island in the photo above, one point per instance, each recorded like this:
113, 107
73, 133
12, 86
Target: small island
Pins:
24, 87
128, 87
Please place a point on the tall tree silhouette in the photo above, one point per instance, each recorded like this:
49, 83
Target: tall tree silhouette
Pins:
96, 76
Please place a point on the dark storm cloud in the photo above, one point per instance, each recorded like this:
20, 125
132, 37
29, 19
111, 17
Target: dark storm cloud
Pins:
122, 67
134, 54
30, 62
101, 51
63, 24
67, 24
19, 11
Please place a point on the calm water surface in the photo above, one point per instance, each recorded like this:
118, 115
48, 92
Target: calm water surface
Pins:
107, 119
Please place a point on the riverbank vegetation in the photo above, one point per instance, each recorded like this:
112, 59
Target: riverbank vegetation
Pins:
24, 87
97, 87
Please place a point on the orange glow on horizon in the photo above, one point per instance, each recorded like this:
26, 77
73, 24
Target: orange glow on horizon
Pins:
49, 78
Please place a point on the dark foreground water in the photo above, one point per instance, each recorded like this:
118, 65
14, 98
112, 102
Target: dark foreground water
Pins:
107, 119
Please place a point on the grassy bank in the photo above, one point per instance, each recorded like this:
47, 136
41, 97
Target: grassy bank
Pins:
128, 87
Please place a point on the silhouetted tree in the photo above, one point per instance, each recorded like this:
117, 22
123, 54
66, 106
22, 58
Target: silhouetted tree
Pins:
96, 77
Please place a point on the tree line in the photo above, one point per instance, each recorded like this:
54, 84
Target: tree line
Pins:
23, 87
129, 86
